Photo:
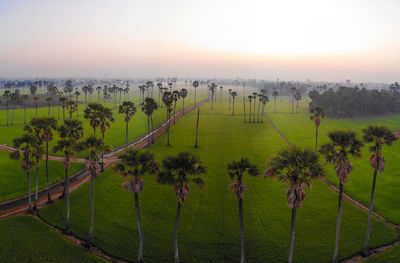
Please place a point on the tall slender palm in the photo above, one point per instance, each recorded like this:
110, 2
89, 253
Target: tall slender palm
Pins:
250, 100
254, 105
7, 95
179, 171
297, 97
195, 85
72, 107
236, 171
229, 98
292, 91
342, 144
133, 166
63, 100
234, 95
378, 136
91, 113
148, 108
36, 102
26, 143
264, 102
275, 95
128, 108
183, 93
317, 113
220, 93
298, 168
95, 146
105, 117
168, 100
212, 89
176, 95
71, 133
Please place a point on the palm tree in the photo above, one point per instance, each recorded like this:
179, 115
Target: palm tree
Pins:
275, 94
220, 94
63, 100
36, 101
250, 99
105, 117
49, 101
212, 89
91, 113
197, 127
229, 98
26, 143
98, 89
15, 97
176, 96
179, 171
254, 111
297, 97
317, 113
95, 146
71, 132
183, 93
342, 143
233, 94
195, 85
133, 166
293, 90
7, 95
148, 108
128, 108
378, 136
264, 102
298, 168
24, 98
168, 100
236, 170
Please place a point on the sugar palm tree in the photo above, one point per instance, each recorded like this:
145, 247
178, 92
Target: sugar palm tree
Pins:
342, 144
148, 108
275, 95
133, 166
297, 97
264, 101
250, 100
183, 93
91, 113
254, 105
105, 117
72, 107
236, 171
212, 89
128, 108
292, 91
317, 113
95, 146
63, 100
168, 100
234, 95
220, 93
176, 95
229, 98
378, 136
26, 143
179, 171
71, 133
15, 98
195, 85
98, 89
7, 95
298, 168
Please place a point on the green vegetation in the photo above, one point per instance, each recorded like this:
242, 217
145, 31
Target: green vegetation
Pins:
391, 255
27, 239
209, 228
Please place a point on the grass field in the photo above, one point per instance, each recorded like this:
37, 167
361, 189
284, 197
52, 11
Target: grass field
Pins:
13, 179
300, 130
391, 255
26, 239
209, 230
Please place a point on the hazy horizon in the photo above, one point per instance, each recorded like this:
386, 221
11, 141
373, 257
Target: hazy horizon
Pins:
317, 40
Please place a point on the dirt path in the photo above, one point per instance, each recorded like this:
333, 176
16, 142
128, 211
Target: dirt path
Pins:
359, 256
19, 205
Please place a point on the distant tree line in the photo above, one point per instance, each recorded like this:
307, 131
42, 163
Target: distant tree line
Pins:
348, 102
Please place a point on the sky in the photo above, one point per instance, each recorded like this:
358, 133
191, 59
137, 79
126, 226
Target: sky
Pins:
321, 40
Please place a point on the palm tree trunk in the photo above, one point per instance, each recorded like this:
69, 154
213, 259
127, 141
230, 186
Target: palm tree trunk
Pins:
254, 111
148, 131
63, 113
67, 221
102, 154
152, 129
242, 248
195, 89
49, 111
37, 184
126, 137
174, 110
250, 113
140, 230
197, 127
339, 219
371, 206
316, 139
12, 116
275, 104
169, 118
229, 108
8, 113
29, 192
24, 114
233, 106
244, 108
178, 215
36, 106
89, 242
262, 113
47, 172
292, 234
258, 112
183, 106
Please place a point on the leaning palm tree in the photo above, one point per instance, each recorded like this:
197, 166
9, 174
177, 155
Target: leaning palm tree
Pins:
95, 146
133, 166
179, 171
71, 132
128, 108
297, 167
317, 113
378, 136
149, 106
342, 144
26, 143
168, 99
91, 113
236, 170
